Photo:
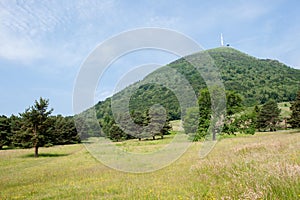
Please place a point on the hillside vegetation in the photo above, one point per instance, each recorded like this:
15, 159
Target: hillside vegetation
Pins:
256, 80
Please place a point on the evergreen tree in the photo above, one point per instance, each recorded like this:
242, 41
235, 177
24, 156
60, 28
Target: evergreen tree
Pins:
15, 126
35, 124
157, 124
141, 119
5, 131
294, 121
63, 131
124, 130
268, 117
115, 133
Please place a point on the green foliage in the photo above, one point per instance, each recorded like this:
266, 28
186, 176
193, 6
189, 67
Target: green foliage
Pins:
116, 134
150, 94
143, 125
63, 131
268, 117
35, 124
233, 106
5, 131
191, 121
234, 103
295, 116
158, 124
256, 80
246, 123
36, 128
204, 102
230, 127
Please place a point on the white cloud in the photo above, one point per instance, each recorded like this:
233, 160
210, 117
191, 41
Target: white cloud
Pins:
18, 49
22, 24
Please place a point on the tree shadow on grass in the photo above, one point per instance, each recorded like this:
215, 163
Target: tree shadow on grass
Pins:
46, 155
6, 148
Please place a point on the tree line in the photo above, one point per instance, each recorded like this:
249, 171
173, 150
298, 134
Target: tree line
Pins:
36, 127
144, 124
238, 119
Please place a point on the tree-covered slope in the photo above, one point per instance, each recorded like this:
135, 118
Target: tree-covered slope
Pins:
257, 80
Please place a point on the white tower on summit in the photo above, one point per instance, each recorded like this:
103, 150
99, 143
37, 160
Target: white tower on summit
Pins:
222, 41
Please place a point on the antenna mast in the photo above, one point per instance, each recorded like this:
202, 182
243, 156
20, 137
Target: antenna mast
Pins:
222, 41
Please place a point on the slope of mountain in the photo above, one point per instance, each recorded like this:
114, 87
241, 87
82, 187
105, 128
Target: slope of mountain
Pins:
257, 80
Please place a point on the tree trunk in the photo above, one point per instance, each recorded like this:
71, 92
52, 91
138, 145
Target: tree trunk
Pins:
36, 148
162, 136
213, 135
139, 139
153, 137
0, 147
36, 151
285, 123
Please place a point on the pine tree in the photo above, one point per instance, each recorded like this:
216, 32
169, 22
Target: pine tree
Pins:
294, 121
268, 117
35, 124
4, 131
63, 131
157, 122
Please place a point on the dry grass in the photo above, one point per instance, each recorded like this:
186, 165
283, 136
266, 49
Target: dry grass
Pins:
263, 166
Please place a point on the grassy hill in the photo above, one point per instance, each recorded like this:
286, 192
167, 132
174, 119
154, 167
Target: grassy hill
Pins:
262, 166
257, 80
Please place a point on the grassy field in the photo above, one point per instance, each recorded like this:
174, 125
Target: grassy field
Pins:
285, 109
263, 166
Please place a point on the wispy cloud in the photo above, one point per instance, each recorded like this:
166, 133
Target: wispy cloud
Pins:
50, 39
31, 30
22, 27
15, 48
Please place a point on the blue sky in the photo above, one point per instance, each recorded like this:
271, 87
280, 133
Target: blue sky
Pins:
43, 43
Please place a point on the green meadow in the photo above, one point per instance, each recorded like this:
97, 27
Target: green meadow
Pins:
261, 166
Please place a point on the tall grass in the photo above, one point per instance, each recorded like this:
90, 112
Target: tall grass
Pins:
263, 166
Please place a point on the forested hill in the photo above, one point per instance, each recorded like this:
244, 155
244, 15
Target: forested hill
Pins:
257, 80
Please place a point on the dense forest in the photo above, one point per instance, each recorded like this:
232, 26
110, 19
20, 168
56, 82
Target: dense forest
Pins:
257, 81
